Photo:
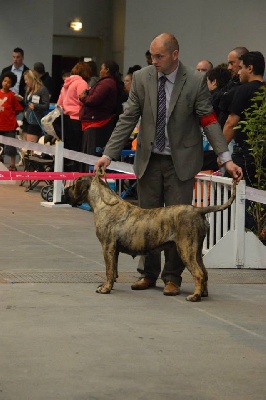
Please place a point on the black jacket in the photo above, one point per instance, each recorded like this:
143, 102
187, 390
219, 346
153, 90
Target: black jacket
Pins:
48, 82
226, 98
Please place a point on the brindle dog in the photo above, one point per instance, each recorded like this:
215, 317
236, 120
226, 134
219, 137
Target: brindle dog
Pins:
123, 227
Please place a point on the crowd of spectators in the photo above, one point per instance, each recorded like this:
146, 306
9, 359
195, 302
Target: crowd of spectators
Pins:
92, 102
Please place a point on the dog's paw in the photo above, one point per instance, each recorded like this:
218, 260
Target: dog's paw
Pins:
103, 289
193, 297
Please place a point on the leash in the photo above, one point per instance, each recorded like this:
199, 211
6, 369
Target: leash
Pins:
38, 122
100, 173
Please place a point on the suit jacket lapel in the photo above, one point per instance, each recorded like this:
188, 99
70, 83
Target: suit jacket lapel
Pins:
178, 85
153, 92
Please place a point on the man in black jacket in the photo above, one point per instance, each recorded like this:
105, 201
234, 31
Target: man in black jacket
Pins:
251, 70
18, 68
229, 89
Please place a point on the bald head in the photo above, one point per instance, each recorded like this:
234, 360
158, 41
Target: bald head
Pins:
204, 66
168, 41
234, 59
164, 53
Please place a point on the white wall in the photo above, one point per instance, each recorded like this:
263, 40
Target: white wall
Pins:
204, 28
29, 25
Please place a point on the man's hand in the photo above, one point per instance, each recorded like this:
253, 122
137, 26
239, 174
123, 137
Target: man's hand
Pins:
234, 170
102, 162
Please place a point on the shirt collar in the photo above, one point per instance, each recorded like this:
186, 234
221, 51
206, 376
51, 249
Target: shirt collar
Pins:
17, 69
171, 77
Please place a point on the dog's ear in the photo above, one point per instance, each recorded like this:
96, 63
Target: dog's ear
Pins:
81, 187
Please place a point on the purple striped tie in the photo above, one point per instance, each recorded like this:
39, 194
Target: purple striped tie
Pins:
161, 115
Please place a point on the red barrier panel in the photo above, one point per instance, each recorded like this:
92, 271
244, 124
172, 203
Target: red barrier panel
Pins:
59, 176
54, 176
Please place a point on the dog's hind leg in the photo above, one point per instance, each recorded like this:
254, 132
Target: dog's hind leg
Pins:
204, 289
111, 260
199, 281
188, 254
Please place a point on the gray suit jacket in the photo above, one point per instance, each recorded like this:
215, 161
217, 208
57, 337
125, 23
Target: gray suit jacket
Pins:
189, 101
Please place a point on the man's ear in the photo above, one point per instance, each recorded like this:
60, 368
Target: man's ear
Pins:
175, 54
250, 69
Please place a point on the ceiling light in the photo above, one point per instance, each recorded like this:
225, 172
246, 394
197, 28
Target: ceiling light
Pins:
76, 25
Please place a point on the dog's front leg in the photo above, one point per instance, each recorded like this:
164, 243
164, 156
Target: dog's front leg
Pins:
111, 260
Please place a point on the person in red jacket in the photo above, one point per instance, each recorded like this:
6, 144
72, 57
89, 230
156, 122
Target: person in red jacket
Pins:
9, 107
101, 106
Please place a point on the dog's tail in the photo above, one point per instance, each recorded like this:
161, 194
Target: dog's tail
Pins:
221, 207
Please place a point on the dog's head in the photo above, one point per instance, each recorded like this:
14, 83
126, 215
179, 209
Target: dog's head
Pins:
82, 191
77, 194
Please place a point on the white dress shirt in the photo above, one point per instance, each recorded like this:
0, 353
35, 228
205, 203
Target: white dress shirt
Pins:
18, 72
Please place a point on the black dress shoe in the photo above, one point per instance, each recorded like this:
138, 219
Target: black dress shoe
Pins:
143, 283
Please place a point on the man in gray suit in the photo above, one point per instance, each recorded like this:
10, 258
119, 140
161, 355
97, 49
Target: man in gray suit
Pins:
166, 172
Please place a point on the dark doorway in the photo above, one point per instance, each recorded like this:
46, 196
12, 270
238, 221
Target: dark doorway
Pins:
60, 64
